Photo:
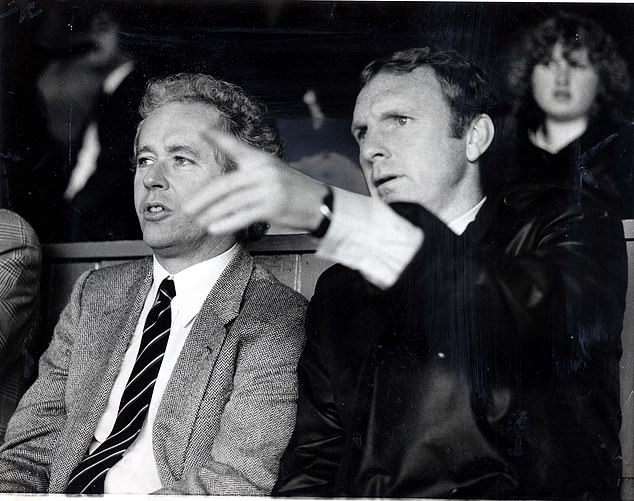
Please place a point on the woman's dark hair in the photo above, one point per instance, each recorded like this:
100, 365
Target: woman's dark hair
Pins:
573, 32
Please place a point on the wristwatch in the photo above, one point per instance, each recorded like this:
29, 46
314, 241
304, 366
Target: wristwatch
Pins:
326, 209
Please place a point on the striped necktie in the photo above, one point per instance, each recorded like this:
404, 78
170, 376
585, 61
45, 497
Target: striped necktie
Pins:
89, 475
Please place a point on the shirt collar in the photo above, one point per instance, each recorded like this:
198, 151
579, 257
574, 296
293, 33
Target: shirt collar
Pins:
194, 283
460, 224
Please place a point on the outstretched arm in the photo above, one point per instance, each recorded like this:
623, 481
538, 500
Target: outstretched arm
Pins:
364, 233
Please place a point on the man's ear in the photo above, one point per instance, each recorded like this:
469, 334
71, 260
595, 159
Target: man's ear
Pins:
479, 136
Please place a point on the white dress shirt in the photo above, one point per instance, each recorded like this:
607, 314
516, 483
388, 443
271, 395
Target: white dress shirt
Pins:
137, 472
366, 235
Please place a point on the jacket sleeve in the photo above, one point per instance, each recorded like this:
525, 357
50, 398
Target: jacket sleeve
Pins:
37, 423
549, 296
258, 419
20, 262
310, 463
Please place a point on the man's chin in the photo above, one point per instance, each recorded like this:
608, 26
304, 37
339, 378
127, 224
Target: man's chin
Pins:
157, 240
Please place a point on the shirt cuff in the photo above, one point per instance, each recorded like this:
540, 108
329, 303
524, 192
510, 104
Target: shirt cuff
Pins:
366, 235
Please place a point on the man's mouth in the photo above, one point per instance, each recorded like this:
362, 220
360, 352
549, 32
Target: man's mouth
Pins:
383, 180
154, 211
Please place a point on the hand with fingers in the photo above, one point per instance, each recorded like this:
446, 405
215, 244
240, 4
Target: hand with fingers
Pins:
262, 188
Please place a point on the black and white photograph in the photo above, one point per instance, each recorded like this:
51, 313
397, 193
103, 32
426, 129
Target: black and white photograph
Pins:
317, 249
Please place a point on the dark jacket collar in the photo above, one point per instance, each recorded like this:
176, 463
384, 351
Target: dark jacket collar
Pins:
421, 217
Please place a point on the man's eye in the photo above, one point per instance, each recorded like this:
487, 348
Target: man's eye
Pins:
401, 120
182, 161
143, 162
359, 134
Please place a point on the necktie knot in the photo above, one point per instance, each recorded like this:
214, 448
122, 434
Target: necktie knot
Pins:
167, 287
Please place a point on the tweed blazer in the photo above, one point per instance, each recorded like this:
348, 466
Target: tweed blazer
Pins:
229, 407
20, 262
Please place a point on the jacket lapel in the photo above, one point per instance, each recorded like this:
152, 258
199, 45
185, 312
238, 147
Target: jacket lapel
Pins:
190, 379
102, 361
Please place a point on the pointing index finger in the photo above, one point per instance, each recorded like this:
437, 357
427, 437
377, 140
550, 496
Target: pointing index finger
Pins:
242, 154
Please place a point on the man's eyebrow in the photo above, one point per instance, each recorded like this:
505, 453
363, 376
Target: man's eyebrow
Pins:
144, 149
182, 148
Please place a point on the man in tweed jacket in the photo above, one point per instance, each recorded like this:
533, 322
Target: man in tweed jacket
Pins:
224, 414
20, 261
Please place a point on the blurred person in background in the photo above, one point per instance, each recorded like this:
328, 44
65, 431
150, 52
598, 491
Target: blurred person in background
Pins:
569, 86
81, 190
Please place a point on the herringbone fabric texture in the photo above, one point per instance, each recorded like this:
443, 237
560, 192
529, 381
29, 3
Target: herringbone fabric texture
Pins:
229, 408
89, 476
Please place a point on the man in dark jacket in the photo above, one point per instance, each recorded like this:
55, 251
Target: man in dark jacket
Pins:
454, 355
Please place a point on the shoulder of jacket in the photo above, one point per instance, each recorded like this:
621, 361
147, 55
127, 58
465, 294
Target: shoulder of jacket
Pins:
337, 277
265, 288
553, 200
15, 228
125, 272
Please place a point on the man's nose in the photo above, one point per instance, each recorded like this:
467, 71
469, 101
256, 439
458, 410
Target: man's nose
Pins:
154, 177
372, 148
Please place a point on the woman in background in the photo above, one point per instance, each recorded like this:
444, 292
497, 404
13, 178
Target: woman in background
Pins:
569, 86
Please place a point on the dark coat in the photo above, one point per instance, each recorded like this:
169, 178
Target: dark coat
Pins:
601, 162
489, 370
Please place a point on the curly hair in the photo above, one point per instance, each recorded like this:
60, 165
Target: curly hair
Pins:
574, 33
465, 86
240, 115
